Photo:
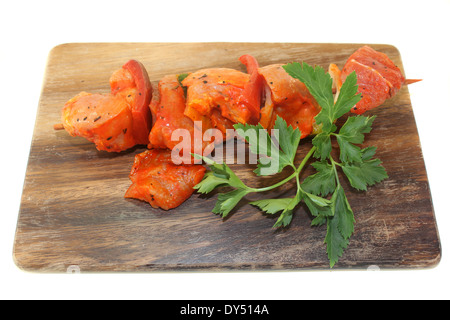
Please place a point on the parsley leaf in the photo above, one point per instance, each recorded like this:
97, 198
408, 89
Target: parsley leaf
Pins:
366, 173
182, 76
261, 144
348, 96
354, 128
285, 217
342, 208
351, 133
180, 79
336, 243
319, 85
289, 139
274, 153
227, 201
210, 182
340, 226
220, 176
322, 142
368, 153
349, 151
272, 206
318, 206
321, 183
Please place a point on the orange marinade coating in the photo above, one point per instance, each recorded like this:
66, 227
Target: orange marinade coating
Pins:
156, 180
217, 94
115, 121
168, 108
288, 98
378, 78
105, 120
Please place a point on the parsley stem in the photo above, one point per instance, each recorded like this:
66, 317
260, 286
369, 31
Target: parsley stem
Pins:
299, 188
292, 176
334, 163
305, 159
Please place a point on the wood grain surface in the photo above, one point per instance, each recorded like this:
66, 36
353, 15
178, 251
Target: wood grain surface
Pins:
73, 215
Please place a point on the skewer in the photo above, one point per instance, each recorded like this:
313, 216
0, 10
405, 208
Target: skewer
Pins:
410, 81
58, 126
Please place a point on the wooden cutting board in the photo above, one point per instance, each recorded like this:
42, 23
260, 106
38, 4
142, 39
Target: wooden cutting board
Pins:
73, 216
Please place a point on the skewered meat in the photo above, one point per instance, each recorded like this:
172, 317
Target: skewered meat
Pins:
115, 121
156, 180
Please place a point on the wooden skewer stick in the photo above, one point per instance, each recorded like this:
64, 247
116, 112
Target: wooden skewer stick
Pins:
410, 81
58, 126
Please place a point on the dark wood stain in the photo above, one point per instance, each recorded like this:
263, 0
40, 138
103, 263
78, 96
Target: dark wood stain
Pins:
73, 212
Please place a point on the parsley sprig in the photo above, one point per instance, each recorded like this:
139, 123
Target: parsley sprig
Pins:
322, 192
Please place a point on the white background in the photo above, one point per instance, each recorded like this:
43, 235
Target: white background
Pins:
30, 29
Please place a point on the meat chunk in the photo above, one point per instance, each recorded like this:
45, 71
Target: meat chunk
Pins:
114, 121
288, 98
378, 78
168, 108
218, 94
158, 181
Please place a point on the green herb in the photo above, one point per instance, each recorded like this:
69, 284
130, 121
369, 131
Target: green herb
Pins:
180, 79
321, 192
